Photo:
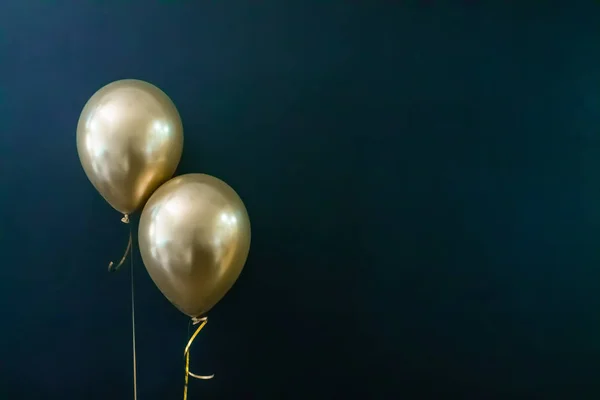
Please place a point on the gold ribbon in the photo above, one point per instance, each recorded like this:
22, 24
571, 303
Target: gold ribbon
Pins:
111, 267
202, 321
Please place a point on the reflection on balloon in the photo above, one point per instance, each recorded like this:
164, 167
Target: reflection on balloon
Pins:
129, 141
194, 238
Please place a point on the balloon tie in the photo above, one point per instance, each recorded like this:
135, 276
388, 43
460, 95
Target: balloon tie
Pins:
202, 321
111, 267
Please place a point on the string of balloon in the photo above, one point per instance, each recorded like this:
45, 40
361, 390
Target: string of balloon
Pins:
135, 389
194, 230
111, 268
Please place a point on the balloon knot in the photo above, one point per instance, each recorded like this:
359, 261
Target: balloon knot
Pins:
125, 219
197, 320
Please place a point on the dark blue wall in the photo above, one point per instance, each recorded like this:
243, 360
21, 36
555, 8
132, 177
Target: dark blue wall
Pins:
422, 180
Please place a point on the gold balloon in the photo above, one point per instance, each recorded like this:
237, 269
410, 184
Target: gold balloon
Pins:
129, 140
194, 237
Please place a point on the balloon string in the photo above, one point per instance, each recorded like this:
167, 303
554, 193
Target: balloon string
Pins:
133, 320
111, 267
125, 220
195, 321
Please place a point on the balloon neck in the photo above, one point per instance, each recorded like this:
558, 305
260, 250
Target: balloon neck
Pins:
197, 320
125, 219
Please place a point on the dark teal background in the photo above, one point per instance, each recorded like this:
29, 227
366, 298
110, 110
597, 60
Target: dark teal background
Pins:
422, 178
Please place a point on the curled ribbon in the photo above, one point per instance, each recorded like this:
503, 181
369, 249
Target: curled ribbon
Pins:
202, 321
111, 267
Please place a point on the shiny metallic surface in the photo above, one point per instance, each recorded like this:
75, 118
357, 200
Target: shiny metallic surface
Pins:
129, 141
194, 237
